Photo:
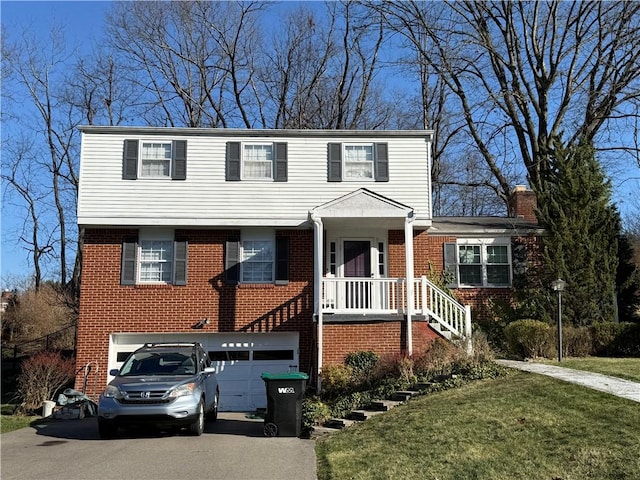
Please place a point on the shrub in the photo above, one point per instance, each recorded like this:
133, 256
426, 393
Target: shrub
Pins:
529, 338
361, 360
336, 380
437, 360
616, 339
314, 412
42, 375
576, 341
482, 351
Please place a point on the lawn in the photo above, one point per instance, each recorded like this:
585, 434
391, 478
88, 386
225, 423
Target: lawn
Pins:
523, 426
627, 368
9, 423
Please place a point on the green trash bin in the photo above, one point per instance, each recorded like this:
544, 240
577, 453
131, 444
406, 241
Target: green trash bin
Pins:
285, 392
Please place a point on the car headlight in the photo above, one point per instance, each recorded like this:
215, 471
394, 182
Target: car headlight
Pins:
112, 392
182, 390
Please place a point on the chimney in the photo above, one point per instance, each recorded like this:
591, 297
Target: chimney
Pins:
524, 204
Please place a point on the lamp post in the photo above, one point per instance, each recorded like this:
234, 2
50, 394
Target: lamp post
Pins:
558, 286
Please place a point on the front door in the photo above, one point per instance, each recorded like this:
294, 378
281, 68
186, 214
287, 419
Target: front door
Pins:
357, 264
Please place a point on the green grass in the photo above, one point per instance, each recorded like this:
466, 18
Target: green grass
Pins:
627, 368
10, 422
523, 426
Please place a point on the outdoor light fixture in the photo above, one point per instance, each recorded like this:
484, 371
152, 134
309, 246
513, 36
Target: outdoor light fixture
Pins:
558, 286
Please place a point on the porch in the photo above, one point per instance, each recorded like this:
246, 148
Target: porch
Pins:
389, 296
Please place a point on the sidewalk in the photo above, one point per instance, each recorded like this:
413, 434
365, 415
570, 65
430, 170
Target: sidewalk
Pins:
615, 386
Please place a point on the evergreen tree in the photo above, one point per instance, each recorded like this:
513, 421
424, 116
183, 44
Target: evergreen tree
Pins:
582, 231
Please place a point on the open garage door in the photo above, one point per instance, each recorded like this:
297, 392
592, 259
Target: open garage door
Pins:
239, 358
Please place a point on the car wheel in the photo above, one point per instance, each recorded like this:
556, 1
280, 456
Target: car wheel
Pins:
197, 427
212, 415
270, 429
107, 429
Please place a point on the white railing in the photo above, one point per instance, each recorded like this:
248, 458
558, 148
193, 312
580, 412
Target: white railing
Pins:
388, 296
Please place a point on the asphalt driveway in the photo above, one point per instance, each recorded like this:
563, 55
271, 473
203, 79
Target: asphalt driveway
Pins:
232, 448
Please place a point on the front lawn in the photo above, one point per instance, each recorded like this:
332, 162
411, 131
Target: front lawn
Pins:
627, 368
10, 422
522, 426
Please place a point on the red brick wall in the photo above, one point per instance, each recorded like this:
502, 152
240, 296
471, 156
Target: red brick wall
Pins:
384, 338
107, 307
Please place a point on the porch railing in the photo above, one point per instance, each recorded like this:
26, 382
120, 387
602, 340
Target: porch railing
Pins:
388, 296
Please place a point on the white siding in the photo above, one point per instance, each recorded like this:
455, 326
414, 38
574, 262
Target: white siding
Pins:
206, 199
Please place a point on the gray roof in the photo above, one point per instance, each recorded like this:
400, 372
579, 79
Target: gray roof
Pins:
486, 226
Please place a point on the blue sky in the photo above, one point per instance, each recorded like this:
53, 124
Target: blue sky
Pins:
83, 24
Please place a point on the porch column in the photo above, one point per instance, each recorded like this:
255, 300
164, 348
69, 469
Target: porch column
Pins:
318, 250
408, 262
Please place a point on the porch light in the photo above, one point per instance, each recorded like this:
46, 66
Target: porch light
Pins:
558, 286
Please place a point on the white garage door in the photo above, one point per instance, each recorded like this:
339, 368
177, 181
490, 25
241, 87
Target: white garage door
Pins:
239, 358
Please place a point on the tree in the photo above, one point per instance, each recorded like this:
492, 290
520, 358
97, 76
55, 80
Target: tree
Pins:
582, 231
523, 73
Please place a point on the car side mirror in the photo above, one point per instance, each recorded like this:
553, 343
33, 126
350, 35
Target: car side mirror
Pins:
114, 372
209, 370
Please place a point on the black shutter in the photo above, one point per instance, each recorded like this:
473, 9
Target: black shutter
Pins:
334, 169
232, 262
179, 160
130, 160
233, 161
282, 260
180, 262
280, 164
128, 262
381, 167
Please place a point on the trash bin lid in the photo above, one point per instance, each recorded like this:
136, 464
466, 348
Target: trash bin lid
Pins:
284, 376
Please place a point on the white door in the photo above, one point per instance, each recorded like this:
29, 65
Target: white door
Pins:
239, 358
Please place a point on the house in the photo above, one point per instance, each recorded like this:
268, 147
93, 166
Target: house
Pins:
279, 250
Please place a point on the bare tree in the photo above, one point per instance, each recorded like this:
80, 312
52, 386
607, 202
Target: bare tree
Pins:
523, 73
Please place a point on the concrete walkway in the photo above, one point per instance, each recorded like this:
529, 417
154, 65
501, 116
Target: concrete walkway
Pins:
615, 386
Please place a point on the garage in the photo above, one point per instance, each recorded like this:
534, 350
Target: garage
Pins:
239, 358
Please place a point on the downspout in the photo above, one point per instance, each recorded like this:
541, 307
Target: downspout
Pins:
408, 261
317, 287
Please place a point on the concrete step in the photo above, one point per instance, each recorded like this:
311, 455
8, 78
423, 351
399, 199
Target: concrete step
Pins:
384, 405
404, 395
339, 423
362, 415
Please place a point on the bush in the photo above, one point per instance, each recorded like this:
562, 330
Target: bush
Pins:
529, 338
361, 360
336, 380
576, 341
314, 412
42, 375
616, 339
437, 360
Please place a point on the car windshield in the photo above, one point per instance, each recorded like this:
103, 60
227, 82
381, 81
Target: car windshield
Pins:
146, 363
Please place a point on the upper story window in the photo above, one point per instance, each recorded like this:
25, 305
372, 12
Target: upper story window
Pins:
257, 261
154, 159
155, 257
478, 263
256, 161
358, 162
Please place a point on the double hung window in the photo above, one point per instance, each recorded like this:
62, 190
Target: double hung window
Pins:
478, 264
257, 261
256, 161
154, 257
155, 160
358, 162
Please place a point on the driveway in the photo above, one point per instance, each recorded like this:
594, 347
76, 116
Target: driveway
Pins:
232, 448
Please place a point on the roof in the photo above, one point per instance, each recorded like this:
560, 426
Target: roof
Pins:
253, 132
483, 226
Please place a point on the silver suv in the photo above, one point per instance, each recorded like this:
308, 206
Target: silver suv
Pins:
162, 384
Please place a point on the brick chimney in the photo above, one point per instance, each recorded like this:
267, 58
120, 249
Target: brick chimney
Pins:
524, 204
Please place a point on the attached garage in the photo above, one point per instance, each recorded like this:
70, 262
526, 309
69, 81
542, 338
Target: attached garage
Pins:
239, 358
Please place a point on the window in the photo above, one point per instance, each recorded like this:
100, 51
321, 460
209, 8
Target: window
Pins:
261, 256
358, 162
256, 161
154, 159
257, 261
154, 258
481, 264
156, 261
